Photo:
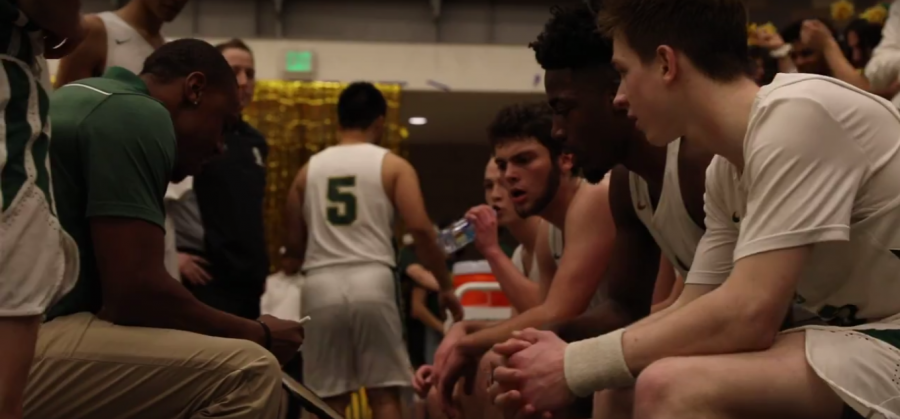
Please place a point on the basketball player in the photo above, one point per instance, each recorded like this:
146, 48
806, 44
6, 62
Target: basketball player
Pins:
538, 175
487, 218
38, 259
124, 38
339, 216
773, 236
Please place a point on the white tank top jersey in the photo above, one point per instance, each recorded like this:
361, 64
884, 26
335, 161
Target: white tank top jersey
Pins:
533, 274
349, 217
125, 47
675, 232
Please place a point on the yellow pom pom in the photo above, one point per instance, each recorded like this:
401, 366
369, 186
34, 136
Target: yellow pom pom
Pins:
842, 10
751, 34
875, 14
769, 28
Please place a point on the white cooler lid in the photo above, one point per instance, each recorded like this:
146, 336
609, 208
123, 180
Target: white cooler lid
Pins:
471, 267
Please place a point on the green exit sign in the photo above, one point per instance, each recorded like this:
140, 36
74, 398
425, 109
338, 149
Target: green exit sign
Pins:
298, 61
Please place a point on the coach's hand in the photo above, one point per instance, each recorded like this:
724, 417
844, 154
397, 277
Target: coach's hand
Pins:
287, 336
534, 376
192, 269
448, 301
484, 218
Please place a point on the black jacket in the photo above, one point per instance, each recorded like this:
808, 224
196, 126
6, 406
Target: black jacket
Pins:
230, 190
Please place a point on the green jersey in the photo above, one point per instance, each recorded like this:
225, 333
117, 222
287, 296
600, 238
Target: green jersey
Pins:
113, 153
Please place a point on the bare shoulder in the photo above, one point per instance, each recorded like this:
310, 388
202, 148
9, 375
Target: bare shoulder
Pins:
589, 201
96, 32
395, 163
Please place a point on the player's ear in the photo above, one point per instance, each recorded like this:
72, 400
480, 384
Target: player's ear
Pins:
667, 62
566, 162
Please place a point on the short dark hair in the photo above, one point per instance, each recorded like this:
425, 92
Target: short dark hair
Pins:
182, 57
571, 40
526, 121
233, 43
711, 33
359, 105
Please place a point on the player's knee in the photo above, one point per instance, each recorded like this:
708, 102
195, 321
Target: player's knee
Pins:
663, 386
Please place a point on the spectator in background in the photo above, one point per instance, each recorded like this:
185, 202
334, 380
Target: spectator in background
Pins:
763, 65
883, 68
424, 320
807, 53
38, 260
218, 214
124, 38
861, 37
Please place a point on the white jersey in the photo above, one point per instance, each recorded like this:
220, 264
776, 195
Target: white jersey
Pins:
557, 245
125, 47
822, 168
348, 215
673, 229
533, 274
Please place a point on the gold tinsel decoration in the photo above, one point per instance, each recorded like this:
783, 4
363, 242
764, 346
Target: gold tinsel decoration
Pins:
842, 11
299, 119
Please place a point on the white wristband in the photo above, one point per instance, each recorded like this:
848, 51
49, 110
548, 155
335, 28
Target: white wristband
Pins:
597, 364
781, 51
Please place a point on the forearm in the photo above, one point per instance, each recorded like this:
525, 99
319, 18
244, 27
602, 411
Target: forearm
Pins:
786, 65
842, 69
482, 341
472, 326
522, 293
602, 319
168, 305
60, 17
712, 324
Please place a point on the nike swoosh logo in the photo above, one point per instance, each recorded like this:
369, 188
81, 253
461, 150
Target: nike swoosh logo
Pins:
122, 41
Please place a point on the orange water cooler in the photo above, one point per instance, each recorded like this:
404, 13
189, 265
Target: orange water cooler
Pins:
479, 292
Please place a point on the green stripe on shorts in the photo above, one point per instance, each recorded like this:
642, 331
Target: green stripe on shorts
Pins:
890, 336
17, 131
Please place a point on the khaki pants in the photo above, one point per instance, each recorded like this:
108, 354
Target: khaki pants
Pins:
88, 368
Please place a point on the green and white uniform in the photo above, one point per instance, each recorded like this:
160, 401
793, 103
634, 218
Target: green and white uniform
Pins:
38, 260
821, 168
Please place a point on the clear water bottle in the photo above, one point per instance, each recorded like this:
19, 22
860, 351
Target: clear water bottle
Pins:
456, 236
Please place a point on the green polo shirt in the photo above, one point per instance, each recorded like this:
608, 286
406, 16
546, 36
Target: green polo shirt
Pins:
112, 155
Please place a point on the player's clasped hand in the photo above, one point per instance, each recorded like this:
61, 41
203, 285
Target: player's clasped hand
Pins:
532, 383
287, 336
